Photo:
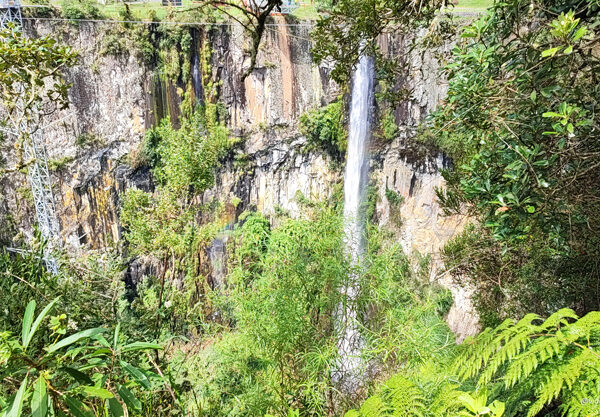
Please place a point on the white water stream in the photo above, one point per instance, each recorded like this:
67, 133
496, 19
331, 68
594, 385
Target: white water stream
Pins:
348, 373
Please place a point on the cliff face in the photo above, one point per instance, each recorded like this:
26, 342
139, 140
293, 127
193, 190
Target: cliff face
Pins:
116, 98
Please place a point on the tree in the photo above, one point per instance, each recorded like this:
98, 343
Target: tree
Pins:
520, 122
352, 28
252, 15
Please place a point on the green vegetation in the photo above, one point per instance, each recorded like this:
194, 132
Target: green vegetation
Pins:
519, 122
77, 353
27, 64
364, 21
80, 9
58, 376
59, 164
520, 368
102, 339
388, 127
324, 129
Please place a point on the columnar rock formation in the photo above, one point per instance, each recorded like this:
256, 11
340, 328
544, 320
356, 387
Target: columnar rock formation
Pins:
116, 98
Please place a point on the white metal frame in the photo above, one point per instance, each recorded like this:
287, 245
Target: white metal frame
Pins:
35, 153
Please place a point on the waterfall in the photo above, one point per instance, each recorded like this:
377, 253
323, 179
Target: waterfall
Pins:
217, 254
350, 365
197, 78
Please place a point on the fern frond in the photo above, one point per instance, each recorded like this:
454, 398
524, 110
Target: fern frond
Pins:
523, 365
493, 348
559, 318
584, 400
403, 398
561, 377
515, 340
372, 407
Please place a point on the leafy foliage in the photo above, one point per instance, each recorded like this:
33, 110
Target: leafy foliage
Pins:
530, 367
538, 361
30, 79
80, 9
82, 373
325, 130
362, 22
521, 125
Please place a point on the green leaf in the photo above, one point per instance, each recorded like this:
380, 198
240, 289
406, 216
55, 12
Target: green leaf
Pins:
38, 321
568, 50
551, 114
75, 338
551, 51
533, 95
580, 32
130, 400
39, 399
17, 404
115, 407
116, 336
140, 346
102, 340
77, 375
78, 408
530, 209
570, 128
27, 320
136, 374
97, 392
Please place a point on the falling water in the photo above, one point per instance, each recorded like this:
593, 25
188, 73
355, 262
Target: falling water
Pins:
217, 254
350, 365
197, 78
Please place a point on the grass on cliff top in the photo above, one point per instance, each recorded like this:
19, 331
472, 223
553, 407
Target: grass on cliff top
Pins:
306, 11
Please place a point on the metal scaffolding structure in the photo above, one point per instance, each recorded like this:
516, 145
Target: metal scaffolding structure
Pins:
43, 199
35, 154
10, 11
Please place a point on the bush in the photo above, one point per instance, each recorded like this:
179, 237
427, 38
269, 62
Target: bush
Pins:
523, 168
114, 43
388, 127
324, 129
80, 9
79, 373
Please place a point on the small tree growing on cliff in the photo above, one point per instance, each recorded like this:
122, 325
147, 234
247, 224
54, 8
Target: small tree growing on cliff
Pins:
252, 15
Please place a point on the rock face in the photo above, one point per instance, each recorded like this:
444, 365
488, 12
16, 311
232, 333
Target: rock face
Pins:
115, 99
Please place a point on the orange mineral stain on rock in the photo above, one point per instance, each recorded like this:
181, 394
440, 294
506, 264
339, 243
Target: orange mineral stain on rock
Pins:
287, 70
255, 99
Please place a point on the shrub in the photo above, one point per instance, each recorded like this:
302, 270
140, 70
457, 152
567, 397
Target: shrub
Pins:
388, 127
324, 129
80, 9
79, 373
114, 43
522, 168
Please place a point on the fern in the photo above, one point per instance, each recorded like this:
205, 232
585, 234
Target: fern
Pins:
372, 407
398, 397
530, 366
554, 359
403, 398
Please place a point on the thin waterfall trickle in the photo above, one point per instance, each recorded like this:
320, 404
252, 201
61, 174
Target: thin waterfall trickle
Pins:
197, 78
350, 366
